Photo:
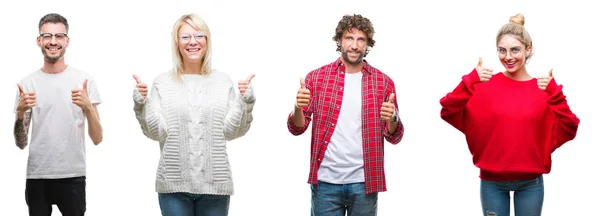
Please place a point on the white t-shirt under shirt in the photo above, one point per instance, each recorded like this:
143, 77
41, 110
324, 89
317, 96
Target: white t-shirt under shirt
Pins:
343, 160
57, 143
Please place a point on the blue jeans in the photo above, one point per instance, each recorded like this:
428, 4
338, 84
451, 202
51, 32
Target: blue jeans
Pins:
528, 197
187, 204
339, 199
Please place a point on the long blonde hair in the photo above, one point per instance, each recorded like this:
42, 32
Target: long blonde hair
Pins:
198, 23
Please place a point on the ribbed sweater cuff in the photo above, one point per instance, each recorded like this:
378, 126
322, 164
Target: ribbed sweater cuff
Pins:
224, 188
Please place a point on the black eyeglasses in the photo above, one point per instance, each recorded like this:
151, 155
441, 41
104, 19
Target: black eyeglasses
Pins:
48, 36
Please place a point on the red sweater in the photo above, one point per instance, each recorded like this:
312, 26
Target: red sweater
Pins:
511, 127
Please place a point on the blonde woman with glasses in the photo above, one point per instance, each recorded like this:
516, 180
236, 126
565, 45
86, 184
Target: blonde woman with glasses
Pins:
192, 111
512, 123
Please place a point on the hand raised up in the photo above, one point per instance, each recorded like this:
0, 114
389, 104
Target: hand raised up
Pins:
303, 96
141, 87
388, 109
243, 85
26, 101
485, 74
543, 81
80, 97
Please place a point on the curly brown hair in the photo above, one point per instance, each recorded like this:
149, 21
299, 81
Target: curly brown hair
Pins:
355, 21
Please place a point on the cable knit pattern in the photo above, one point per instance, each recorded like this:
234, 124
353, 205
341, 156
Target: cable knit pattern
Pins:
192, 123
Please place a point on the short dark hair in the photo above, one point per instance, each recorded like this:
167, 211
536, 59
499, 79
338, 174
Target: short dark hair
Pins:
53, 18
356, 21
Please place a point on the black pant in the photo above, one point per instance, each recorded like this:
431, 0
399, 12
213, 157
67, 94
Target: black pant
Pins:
68, 194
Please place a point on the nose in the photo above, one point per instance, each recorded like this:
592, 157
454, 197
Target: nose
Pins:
354, 44
193, 41
508, 56
53, 40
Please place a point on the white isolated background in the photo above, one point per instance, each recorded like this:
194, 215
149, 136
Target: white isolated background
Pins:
424, 46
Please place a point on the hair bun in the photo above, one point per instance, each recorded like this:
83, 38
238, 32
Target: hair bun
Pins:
518, 19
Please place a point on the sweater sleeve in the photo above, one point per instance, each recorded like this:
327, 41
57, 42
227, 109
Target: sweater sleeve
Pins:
148, 112
239, 113
565, 122
454, 103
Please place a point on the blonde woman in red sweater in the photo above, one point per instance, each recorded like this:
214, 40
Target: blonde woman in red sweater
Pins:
512, 123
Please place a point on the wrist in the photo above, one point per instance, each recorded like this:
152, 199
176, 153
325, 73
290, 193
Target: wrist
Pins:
296, 107
552, 87
394, 118
471, 78
87, 108
20, 115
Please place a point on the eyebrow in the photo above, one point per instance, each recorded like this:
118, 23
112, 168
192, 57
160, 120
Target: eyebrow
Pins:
357, 37
510, 47
195, 33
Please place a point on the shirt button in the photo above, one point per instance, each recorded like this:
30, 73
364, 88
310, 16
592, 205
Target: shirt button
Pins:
332, 124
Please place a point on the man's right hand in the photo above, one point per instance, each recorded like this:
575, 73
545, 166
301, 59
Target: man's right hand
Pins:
485, 74
303, 97
141, 87
26, 102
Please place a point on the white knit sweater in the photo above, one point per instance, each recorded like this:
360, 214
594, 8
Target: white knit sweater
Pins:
192, 124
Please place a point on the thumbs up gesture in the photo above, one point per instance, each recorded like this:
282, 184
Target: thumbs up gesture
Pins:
303, 96
244, 84
80, 97
485, 74
26, 101
543, 81
388, 109
141, 87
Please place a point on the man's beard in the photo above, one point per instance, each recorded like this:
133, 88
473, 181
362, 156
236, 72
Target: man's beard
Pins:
53, 59
347, 59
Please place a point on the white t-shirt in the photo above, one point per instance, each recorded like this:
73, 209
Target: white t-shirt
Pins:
343, 160
57, 143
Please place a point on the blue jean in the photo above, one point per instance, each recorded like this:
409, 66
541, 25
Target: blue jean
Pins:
528, 197
187, 204
339, 199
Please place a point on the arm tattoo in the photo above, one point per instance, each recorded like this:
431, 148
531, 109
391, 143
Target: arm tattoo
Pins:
22, 130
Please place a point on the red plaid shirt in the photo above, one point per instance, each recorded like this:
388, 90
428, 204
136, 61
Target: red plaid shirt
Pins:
326, 86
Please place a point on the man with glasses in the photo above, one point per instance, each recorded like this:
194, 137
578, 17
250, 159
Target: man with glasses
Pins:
55, 101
